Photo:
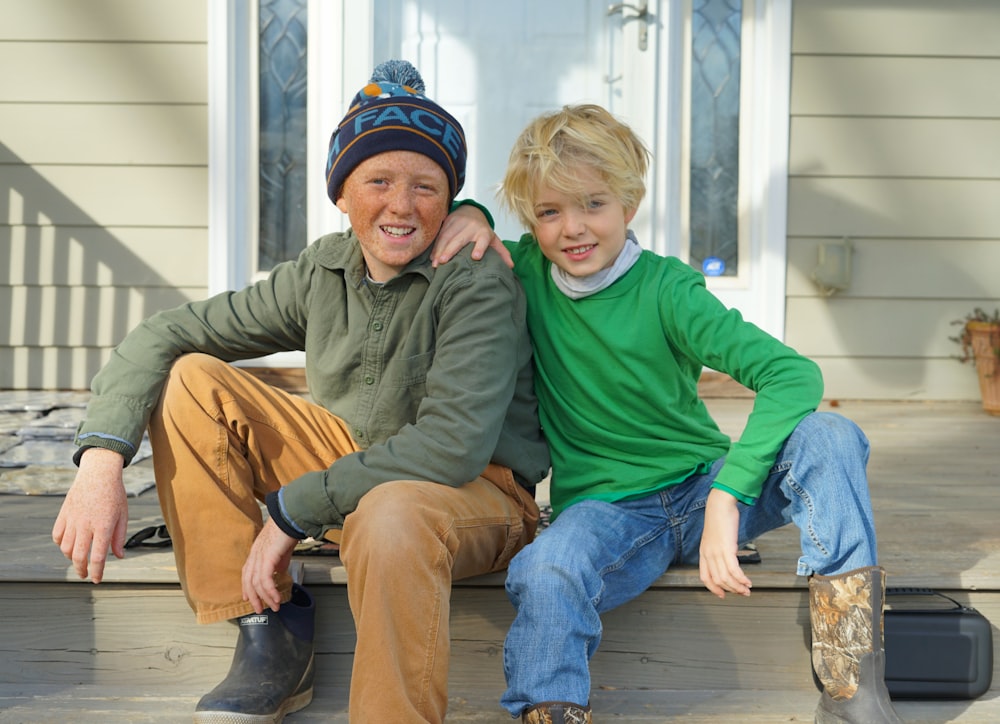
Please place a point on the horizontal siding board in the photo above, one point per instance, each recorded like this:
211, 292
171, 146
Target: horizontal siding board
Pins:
895, 208
895, 147
106, 135
119, 20
62, 73
897, 27
887, 86
946, 269
106, 196
897, 328
897, 379
80, 316
108, 256
894, 142
104, 158
52, 368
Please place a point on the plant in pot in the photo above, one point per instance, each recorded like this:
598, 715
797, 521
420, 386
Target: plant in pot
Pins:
980, 342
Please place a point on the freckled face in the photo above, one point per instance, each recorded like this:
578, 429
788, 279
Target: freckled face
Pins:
581, 239
396, 202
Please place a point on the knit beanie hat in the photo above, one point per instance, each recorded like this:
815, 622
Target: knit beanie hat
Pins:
392, 113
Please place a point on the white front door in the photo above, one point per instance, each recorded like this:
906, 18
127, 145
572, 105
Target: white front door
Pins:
496, 65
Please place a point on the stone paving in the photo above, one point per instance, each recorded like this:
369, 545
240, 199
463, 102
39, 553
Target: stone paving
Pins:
36, 444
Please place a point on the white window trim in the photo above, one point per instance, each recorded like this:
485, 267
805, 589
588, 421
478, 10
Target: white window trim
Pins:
336, 70
765, 91
769, 139
229, 157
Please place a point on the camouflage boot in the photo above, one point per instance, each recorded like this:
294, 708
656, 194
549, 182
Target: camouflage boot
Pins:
556, 712
847, 647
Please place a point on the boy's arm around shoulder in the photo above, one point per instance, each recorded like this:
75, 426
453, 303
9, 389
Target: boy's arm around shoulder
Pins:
467, 223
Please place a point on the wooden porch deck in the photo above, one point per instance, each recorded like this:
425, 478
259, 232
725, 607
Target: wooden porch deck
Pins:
128, 651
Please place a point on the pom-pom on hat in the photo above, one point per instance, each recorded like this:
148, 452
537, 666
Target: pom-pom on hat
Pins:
392, 113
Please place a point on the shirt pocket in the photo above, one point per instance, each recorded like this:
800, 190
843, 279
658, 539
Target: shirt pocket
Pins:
408, 372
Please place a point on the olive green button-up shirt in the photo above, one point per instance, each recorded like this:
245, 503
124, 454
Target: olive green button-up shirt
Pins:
431, 371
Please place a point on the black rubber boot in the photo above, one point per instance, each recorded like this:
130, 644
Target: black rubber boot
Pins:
848, 652
272, 670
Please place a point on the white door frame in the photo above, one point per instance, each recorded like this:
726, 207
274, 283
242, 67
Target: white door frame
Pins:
760, 293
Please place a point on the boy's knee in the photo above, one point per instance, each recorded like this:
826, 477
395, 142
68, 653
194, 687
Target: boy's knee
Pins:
837, 430
187, 374
394, 516
539, 565
194, 364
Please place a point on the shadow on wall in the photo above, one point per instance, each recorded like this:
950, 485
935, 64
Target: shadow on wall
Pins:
70, 289
915, 267
889, 147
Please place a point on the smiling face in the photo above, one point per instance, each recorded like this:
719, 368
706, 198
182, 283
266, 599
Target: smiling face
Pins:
581, 233
396, 202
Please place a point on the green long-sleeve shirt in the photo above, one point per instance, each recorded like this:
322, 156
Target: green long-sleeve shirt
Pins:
617, 381
431, 371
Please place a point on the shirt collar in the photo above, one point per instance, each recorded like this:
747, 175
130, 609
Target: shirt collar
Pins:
343, 251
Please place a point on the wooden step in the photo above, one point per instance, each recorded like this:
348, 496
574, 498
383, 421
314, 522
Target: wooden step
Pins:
129, 650
118, 705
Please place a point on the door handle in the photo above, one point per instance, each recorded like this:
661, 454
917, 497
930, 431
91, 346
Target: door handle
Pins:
642, 14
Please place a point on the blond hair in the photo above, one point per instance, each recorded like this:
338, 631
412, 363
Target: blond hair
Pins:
554, 145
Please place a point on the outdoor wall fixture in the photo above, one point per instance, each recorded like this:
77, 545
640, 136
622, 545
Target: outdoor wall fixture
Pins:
832, 273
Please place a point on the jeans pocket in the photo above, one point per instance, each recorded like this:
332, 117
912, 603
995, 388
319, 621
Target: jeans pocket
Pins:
522, 529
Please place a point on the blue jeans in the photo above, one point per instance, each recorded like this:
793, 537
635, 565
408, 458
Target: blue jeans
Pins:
597, 555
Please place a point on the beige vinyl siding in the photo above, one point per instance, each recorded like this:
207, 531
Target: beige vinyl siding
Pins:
895, 144
103, 159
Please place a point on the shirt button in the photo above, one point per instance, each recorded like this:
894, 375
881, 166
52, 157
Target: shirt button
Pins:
377, 326
369, 380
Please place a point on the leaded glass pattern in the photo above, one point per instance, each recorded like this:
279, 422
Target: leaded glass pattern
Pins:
282, 155
715, 132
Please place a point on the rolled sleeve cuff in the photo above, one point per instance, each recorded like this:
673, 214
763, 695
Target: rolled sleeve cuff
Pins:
276, 509
108, 442
306, 506
470, 202
742, 497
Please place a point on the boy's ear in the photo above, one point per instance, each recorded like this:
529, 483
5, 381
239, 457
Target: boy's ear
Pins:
629, 215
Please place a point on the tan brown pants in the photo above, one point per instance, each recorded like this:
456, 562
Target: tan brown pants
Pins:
222, 440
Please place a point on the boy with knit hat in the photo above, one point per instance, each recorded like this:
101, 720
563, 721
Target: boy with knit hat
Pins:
420, 454
642, 477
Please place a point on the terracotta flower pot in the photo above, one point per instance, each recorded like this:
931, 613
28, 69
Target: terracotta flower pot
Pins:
985, 343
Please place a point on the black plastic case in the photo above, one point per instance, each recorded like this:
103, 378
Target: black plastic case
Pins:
933, 652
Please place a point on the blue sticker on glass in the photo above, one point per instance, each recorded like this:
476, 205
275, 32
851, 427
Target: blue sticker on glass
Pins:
713, 266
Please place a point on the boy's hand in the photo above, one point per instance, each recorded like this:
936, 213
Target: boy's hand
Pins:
270, 553
719, 566
94, 515
467, 225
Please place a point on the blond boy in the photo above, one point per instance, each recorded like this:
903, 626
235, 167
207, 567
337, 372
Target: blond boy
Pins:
642, 477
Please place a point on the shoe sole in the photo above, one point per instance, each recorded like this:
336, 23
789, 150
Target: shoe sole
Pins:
292, 704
